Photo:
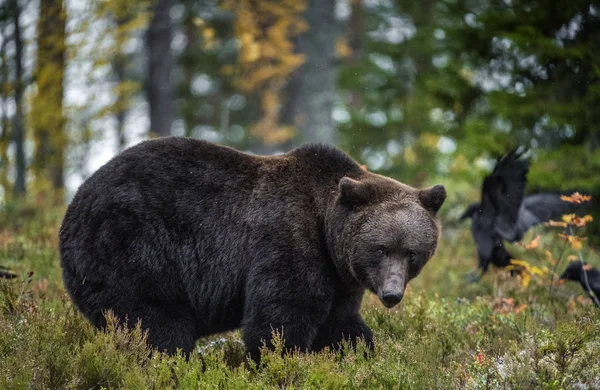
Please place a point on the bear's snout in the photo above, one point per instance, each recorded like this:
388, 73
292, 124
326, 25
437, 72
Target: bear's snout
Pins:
394, 272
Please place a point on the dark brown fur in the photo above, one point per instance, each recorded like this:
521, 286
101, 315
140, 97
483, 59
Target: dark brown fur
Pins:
194, 238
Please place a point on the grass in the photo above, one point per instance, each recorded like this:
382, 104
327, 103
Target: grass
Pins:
445, 334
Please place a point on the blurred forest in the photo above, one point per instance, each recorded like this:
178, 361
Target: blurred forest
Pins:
428, 91
417, 90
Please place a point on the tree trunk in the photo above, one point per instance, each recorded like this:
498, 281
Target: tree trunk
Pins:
47, 105
19, 131
311, 91
121, 110
119, 64
5, 120
160, 64
356, 32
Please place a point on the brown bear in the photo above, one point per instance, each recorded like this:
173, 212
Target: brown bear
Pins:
193, 238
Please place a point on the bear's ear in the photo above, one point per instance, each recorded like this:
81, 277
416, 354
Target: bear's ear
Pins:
432, 198
352, 192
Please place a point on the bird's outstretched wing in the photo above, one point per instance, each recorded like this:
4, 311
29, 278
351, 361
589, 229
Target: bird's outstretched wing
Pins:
503, 192
542, 207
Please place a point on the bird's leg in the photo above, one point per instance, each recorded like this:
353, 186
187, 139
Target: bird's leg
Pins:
474, 276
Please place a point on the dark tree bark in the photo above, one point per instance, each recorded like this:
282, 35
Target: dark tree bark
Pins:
356, 32
160, 64
311, 91
119, 64
19, 131
5, 120
121, 112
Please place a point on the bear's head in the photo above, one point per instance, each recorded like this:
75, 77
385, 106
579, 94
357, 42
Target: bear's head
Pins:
388, 232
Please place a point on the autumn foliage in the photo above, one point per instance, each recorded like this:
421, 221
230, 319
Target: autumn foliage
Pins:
267, 57
546, 272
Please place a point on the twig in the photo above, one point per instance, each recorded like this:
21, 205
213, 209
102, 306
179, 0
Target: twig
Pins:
585, 275
556, 267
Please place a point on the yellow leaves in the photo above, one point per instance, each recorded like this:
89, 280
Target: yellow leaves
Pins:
576, 197
266, 31
575, 241
555, 223
249, 48
567, 218
429, 140
534, 243
209, 38
581, 221
409, 155
526, 271
571, 219
268, 128
525, 279
342, 48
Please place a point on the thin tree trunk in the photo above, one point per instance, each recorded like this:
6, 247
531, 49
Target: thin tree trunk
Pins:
118, 64
47, 106
188, 66
356, 32
19, 131
5, 120
311, 92
160, 64
121, 113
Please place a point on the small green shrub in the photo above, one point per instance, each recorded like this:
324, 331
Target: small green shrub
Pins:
445, 334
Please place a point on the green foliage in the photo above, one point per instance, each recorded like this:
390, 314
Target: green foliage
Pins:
445, 334
570, 166
488, 75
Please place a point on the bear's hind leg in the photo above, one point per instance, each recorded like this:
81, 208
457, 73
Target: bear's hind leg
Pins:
167, 331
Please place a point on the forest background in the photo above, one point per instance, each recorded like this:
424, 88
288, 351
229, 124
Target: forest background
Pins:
417, 90
426, 92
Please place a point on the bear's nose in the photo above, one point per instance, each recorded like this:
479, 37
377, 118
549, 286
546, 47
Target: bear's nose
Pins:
391, 298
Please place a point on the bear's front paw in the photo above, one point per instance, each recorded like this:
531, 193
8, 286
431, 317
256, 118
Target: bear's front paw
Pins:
350, 330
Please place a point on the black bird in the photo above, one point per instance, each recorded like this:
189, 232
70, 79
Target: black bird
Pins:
504, 212
4, 274
588, 276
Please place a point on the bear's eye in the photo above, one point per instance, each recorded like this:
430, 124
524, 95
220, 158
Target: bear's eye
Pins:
410, 255
381, 251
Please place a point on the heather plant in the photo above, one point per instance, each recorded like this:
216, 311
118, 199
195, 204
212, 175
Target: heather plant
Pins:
499, 333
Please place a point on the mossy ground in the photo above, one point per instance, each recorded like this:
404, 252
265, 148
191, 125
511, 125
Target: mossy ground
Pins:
445, 334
